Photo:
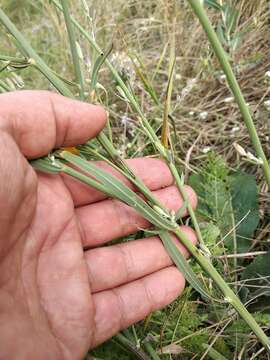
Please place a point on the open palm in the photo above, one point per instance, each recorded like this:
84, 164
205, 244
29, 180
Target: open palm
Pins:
60, 291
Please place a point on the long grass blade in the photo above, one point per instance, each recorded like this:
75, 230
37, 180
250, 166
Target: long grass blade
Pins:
31, 53
182, 264
119, 190
73, 47
99, 62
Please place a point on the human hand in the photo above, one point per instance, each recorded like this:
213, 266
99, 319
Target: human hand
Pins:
57, 299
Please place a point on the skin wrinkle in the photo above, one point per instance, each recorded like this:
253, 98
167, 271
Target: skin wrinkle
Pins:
54, 117
121, 216
128, 262
42, 313
50, 244
97, 338
29, 187
58, 341
64, 348
147, 295
120, 305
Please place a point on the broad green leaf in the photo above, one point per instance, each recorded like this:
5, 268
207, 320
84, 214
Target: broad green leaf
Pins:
228, 201
245, 207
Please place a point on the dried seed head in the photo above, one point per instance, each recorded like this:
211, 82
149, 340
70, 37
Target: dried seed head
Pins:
241, 151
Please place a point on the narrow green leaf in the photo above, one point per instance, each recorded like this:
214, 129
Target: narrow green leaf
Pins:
99, 62
73, 47
144, 78
213, 4
182, 264
46, 165
213, 354
119, 190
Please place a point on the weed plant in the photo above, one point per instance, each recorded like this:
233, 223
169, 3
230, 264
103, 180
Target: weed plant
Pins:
208, 321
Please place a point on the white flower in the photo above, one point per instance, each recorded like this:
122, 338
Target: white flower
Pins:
266, 104
253, 158
228, 99
203, 115
206, 149
191, 113
267, 74
222, 77
124, 120
124, 65
235, 129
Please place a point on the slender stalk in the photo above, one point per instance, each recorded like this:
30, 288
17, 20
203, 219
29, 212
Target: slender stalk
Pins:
73, 47
151, 351
229, 295
185, 198
34, 58
129, 95
213, 354
165, 154
131, 346
119, 164
222, 56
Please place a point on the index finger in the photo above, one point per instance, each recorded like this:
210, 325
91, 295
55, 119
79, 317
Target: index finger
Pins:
40, 121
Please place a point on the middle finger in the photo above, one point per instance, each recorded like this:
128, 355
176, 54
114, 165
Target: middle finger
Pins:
110, 219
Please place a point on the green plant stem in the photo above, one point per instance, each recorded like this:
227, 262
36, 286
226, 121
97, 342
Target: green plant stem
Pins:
153, 137
124, 341
151, 351
229, 295
185, 198
118, 78
222, 56
73, 47
119, 164
213, 354
34, 58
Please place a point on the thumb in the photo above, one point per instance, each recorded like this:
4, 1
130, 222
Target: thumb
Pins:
40, 121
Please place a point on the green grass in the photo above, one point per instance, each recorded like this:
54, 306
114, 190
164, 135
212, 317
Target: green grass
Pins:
205, 124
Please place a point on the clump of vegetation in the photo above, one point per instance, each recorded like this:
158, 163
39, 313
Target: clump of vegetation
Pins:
199, 122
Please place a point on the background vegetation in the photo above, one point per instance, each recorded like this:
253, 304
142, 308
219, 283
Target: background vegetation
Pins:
210, 140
